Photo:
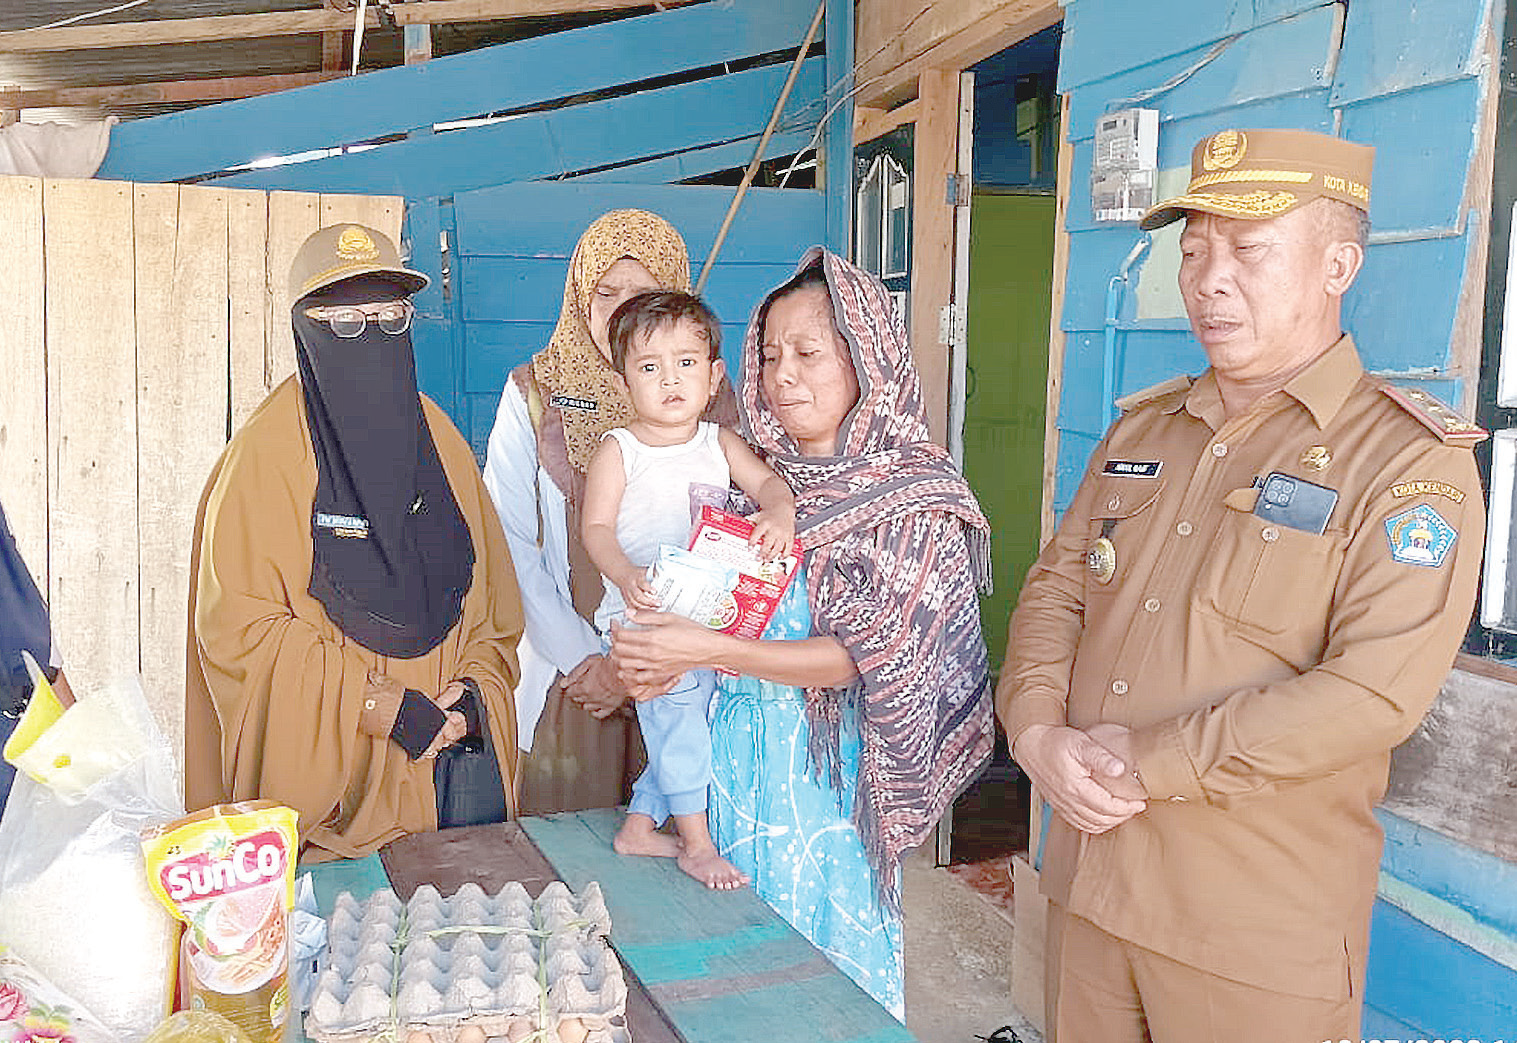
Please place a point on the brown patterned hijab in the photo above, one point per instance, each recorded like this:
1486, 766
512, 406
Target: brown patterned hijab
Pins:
572, 375
570, 387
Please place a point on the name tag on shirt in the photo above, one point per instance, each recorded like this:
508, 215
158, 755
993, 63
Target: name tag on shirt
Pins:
584, 405
1133, 468
1295, 504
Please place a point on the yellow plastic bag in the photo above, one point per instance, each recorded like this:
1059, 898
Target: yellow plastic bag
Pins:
41, 713
69, 751
197, 1026
229, 873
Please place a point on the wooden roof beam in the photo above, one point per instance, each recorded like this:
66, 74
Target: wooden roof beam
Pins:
895, 46
290, 23
169, 92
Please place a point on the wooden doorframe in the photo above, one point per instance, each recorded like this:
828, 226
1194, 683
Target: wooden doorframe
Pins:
908, 66
924, 89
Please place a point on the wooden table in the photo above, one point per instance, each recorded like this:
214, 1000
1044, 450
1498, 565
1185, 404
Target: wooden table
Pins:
702, 966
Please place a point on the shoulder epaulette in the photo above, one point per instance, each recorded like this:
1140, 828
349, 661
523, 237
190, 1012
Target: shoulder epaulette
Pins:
1438, 418
1127, 403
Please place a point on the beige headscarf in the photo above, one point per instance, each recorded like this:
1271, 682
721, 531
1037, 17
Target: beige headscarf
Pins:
571, 373
573, 386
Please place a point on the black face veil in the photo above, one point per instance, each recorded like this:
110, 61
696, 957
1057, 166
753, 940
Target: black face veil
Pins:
392, 557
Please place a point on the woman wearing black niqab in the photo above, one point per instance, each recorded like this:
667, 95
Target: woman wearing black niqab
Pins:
393, 557
355, 613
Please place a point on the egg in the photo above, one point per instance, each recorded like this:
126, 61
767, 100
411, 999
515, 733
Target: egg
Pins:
471, 1034
518, 1030
419, 1037
572, 1030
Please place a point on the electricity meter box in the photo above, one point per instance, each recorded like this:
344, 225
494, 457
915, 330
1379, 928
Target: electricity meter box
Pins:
1125, 169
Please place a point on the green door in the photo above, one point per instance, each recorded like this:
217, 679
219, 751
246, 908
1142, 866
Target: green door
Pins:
1010, 274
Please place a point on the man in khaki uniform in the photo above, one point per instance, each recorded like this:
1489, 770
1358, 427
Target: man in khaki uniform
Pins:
1253, 597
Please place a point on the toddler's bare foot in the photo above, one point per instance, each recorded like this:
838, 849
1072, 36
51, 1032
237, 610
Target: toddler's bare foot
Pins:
638, 837
712, 869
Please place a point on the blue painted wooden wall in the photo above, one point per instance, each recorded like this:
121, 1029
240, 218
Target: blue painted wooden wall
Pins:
1443, 940
494, 207
512, 256
1404, 77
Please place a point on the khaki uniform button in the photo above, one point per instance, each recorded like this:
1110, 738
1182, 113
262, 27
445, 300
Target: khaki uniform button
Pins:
1185, 528
1219, 449
1269, 534
1119, 687
1151, 605
369, 704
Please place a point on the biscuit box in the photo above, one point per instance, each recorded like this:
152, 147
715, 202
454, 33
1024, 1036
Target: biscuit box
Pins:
751, 602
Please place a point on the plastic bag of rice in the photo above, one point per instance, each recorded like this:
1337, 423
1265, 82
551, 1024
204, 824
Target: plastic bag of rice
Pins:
74, 901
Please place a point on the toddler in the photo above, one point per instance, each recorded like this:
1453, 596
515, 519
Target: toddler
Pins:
644, 488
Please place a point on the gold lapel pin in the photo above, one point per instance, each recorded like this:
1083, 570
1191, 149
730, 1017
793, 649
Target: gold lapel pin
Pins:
1316, 457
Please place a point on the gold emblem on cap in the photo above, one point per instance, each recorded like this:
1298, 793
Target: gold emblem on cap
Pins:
354, 244
1261, 203
1225, 150
1316, 457
1101, 559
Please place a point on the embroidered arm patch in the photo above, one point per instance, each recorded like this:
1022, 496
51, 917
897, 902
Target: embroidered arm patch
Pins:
1420, 536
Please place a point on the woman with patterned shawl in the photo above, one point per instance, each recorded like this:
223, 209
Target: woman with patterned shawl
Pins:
553, 411
865, 709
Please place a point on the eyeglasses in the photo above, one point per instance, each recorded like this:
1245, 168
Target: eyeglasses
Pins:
348, 321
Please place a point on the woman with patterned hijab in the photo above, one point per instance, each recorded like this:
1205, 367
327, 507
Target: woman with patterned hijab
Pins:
865, 709
553, 411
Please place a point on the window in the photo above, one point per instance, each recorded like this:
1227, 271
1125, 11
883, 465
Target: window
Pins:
884, 219
882, 214
1498, 595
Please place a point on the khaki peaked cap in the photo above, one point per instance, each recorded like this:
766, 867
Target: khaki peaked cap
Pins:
342, 251
1259, 174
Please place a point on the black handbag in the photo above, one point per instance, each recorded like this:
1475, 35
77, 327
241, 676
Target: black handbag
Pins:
466, 774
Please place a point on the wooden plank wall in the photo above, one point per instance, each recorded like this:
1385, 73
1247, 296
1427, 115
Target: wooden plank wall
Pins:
23, 422
668, 96
149, 321
619, 58
1457, 773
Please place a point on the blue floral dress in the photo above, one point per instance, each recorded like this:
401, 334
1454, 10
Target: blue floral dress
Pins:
790, 832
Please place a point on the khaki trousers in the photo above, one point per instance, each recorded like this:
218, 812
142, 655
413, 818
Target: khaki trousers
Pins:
1101, 989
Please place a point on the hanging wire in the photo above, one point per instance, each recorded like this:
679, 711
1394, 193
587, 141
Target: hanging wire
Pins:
822, 123
1175, 80
758, 152
92, 14
359, 16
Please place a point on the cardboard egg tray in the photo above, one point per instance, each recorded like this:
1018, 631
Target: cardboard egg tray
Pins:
452, 968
